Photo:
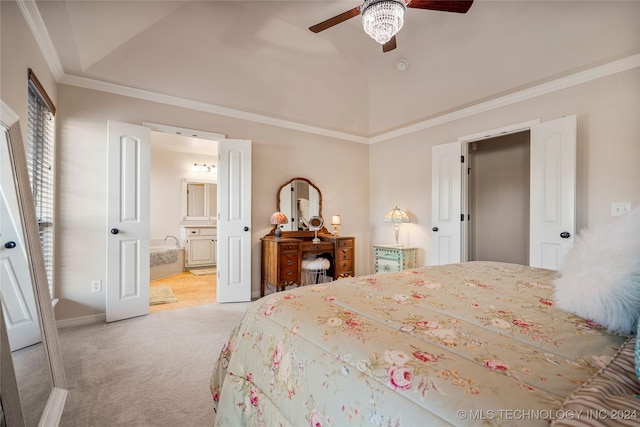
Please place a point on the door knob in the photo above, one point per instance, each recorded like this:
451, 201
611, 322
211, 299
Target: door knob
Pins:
114, 231
246, 228
565, 234
10, 245
435, 229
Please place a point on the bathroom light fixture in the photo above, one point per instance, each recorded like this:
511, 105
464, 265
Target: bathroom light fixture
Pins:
203, 167
278, 218
396, 216
382, 19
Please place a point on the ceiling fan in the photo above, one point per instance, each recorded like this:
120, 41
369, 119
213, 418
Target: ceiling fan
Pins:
382, 19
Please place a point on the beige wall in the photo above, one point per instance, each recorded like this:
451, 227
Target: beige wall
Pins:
357, 181
608, 151
18, 53
167, 170
338, 168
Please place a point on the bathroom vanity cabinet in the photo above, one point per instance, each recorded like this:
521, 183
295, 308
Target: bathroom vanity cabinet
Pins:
200, 246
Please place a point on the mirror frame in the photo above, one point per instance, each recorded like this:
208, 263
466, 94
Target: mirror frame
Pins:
9, 122
300, 233
185, 218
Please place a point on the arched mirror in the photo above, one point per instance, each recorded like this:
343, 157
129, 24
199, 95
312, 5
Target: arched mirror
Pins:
299, 199
32, 383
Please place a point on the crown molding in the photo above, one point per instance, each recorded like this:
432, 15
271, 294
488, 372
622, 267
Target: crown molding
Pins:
176, 101
594, 73
35, 22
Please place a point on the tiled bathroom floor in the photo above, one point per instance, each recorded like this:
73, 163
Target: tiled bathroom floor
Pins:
189, 289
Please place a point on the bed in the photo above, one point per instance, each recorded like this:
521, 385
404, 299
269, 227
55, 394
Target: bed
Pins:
478, 343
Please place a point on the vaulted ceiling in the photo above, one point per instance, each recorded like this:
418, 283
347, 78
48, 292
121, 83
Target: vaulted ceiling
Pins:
259, 57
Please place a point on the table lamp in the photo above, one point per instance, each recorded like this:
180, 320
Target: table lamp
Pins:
396, 216
336, 223
278, 218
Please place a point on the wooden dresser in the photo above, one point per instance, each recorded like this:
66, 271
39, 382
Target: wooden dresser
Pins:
282, 258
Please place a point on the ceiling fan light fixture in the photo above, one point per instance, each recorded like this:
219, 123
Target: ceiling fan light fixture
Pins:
382, 19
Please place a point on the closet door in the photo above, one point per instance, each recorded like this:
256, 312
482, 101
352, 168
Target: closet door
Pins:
446, 203
553, 191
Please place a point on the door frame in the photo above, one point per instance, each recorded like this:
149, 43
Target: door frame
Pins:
465, 141
221, 246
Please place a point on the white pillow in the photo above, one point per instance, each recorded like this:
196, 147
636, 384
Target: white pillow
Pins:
600, 277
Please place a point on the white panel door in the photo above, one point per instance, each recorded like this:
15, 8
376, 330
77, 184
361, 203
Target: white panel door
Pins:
553, 184
445, 203
234, 221
129, 164
16, 285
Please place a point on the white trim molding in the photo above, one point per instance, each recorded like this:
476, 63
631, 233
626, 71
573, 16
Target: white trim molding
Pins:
519, 96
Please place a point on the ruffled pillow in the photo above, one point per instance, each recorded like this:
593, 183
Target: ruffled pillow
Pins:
600, 277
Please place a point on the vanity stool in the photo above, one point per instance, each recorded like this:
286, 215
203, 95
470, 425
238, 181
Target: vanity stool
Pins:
314, 270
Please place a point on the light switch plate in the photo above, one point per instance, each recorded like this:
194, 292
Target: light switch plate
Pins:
620, 208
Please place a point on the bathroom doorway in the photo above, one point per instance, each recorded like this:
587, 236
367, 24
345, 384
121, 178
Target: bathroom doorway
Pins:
176, 155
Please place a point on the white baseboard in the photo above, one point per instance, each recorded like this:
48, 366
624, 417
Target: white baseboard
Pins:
81, 321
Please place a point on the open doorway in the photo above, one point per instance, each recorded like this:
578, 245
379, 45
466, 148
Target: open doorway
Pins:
498, 198
176, 160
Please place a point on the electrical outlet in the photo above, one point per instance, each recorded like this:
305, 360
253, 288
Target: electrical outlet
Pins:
620, 208
96, 286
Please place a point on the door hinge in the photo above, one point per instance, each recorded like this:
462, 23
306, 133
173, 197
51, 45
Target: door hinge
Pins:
461, 217
461, 159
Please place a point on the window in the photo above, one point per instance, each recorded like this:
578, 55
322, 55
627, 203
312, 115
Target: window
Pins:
40, 161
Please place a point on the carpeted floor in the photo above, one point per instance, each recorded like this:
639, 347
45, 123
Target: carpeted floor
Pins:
148, 371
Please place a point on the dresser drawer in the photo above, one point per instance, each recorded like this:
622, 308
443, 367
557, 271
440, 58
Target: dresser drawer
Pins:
289, 246
343, 243
289, 260
317, 247
288, 268
344, 266
388, 254
387, 265
344, 254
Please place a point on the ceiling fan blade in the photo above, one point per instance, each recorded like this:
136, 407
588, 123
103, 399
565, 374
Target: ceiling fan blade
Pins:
390, 45
458, 6
335, 20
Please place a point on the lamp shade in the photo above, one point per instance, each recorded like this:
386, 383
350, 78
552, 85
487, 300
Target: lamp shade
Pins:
396, 215
278, 218
336, 220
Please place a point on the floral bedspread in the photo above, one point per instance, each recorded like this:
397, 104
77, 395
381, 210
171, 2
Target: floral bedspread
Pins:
477, 343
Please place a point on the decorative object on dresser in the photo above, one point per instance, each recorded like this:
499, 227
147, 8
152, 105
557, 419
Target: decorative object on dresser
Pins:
315, 224
396, 216
388, 258
336, 223
277, 219
282, 257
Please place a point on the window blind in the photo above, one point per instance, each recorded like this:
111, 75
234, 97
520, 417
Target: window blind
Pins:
40, 162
